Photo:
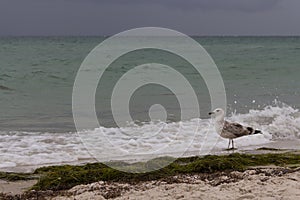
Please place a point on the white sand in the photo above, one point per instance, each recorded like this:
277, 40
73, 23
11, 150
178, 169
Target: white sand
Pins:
16, 187
248, 185
287, 187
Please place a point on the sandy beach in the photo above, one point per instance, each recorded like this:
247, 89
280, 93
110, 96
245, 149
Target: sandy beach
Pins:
15, 187
252, 184
257, 183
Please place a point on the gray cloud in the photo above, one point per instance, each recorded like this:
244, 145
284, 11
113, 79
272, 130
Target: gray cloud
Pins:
106, 17
241, 5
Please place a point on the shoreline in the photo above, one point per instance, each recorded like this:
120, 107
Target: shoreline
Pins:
209, 172
271, 147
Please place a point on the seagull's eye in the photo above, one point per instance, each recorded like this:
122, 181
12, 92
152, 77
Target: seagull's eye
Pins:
217, 110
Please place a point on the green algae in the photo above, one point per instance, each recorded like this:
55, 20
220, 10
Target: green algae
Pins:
67, 176
269, 149
16, 176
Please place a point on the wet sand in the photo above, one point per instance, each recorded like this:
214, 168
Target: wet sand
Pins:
15, 187
258, 183
282, 146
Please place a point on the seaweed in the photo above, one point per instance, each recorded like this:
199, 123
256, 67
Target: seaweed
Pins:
16, 176
67, 176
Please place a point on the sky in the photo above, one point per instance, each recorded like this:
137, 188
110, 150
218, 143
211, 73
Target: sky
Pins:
108, 17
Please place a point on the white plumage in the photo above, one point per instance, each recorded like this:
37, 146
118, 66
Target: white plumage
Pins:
230, 130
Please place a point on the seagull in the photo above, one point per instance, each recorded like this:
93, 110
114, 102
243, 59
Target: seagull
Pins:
230, 130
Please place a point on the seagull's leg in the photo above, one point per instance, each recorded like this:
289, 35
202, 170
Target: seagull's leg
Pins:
232, 144
228, 144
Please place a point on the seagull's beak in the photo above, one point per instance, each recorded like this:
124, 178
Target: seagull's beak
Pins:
210, 113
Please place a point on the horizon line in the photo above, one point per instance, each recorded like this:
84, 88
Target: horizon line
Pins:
191, 35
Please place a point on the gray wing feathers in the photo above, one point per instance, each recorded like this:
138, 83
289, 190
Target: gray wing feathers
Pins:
236, 129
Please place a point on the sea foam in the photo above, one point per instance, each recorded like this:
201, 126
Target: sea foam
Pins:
29, 150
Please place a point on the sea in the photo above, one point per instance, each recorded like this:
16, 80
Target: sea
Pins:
261, 77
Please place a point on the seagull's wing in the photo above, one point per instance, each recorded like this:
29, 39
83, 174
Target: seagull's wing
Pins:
237, 129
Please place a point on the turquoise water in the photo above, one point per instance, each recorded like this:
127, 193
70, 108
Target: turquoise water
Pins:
261, 77
37, 75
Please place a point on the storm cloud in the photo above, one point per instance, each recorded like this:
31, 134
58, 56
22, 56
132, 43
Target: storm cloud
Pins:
106, 17
241, 5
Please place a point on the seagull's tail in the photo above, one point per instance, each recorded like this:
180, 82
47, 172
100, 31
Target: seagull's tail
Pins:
253, 131
257, 132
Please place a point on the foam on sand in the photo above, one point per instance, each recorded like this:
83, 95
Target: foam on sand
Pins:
27, 151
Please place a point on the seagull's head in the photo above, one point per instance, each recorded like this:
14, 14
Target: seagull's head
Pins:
218, 114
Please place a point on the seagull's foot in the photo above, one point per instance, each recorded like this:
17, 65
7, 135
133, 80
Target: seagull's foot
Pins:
231, 149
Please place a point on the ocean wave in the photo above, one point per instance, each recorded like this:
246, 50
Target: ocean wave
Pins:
280, 120
4, 76
56, 77
37, 72
5, 88
32, 149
